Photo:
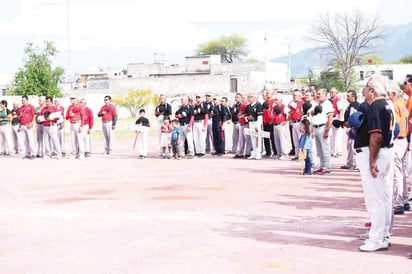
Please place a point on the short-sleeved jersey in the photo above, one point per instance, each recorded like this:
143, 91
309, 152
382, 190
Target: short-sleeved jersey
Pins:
209, 107
164, 109
322, 118
110, 110
50, 109
380, 119
234, 110
201, 112
143, 121
281, 117
401, 117
26, 114
187, 112
175, 134
362, 139
254, 110
295, 110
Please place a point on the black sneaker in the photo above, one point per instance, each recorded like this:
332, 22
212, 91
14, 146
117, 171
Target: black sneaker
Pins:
238, 156
406, 207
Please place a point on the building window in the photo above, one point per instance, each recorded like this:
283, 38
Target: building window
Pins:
361, 75
233, 83
388, 73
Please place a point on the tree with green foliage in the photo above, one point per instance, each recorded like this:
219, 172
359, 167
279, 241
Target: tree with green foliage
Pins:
231, 49
37, 77
407, 59
136, 99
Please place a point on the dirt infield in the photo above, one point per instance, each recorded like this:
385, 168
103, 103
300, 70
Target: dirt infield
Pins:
119, 214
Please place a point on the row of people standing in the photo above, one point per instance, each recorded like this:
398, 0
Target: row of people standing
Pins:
49, 119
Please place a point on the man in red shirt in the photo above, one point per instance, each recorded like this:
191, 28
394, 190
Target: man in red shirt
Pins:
269, 143
108, 113
245, 144
295, 116
336, 138
88, 124
280, 129
60, 126
26, 114
75, 115
50, 140
39, 128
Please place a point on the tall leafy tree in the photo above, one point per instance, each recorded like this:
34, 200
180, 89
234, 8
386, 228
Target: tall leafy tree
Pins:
136, 99
232, 49
344, 38
407, 59
37, 77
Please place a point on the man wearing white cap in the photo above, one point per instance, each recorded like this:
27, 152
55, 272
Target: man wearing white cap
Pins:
75, 115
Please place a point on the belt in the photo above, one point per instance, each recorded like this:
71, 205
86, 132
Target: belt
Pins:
321, 125
3, 124
15, 124
198, 121
294, 122
358, 150
235, 123
48, 125
401, 138
108, 121
277, 124
183, 124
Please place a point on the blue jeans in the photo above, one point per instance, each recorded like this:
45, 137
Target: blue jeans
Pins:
308, 162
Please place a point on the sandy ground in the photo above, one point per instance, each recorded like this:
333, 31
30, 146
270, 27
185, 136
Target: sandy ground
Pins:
119, 214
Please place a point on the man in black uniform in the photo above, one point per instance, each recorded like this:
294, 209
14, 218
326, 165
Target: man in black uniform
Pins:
234, 110
375, 160
218, 114
208, 104
185, 115
15, 123
200, 126
254, 114
353, 106
162, 110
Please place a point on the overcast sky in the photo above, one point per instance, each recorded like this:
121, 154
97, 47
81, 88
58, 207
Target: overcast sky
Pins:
167, 27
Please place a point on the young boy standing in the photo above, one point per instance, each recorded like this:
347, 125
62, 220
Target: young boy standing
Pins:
175, 138
143, 129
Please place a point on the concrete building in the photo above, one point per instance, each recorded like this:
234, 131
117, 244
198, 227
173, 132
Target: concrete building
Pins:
395, 72
199, 74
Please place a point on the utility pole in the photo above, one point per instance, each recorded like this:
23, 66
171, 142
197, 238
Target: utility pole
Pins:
289, 64
68, 43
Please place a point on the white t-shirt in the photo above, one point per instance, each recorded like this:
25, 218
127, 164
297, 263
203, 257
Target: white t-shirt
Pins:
322, 118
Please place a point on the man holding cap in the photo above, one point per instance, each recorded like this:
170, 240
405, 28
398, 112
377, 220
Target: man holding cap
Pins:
74, 114
254, 114
200, 126
26, 114
108, 113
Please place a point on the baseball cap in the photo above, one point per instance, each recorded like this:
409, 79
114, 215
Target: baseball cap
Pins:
356, 120
74, 96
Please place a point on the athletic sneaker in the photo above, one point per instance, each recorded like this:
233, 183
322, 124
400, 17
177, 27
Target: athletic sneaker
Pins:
374, 246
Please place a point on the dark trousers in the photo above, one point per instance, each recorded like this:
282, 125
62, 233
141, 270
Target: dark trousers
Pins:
269, 143
308, 163
292, 151
218, 138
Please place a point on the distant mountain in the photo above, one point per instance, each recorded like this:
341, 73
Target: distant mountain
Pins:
397, 44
